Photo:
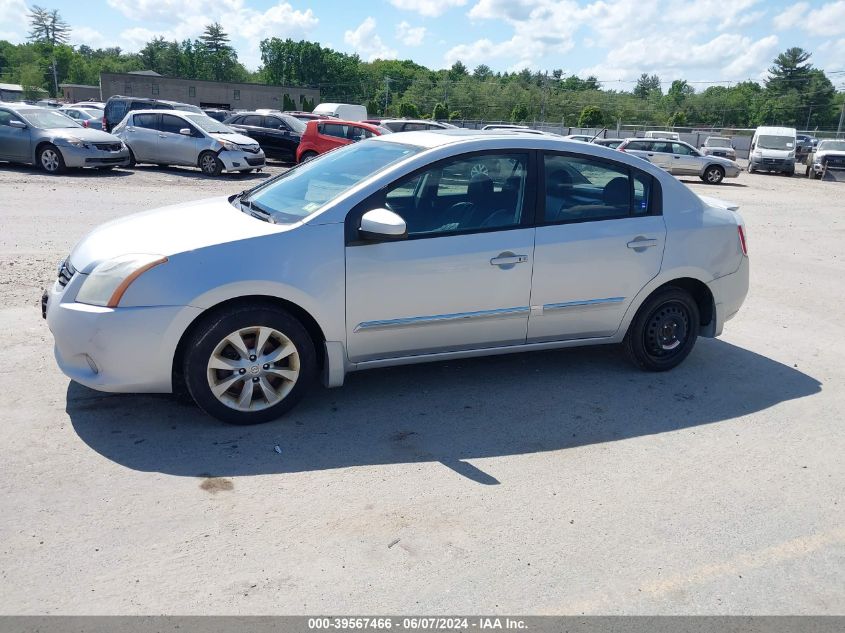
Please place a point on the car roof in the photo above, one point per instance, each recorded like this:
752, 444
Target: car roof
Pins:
160, 111
776, 131
437, 138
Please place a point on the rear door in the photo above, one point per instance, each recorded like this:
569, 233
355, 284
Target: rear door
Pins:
278, 138
600, 239
645, 149
332, 135
141, 135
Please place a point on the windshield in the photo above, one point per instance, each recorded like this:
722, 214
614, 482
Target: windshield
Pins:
47, 119
775, 142
208, 124
306, 188
827, 146
293, 123
718, 142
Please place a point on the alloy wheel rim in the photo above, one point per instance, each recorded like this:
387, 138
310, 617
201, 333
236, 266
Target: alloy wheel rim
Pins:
208, 164
714, 175
668, 330
49, 160
253, 368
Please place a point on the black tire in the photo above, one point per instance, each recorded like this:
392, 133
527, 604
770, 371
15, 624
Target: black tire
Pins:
713, 175
211, 333
132, 161
750, 168
789, 174
50, 159
306, 156
210, 164
105, 168
669, 317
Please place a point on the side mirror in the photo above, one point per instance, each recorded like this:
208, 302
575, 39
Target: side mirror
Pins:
18, 124
382, 224
186, 131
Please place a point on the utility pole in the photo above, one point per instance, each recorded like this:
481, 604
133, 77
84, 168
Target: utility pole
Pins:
807, 127
545, 94
387, 81
841, 120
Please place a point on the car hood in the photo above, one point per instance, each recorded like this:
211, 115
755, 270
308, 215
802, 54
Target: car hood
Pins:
85, 133
829, 152
773, 153
721, 160
240, 139
168, 231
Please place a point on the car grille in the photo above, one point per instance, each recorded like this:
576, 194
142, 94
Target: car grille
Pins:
252, 149
66, 272
774, 161
108, 147
835, 162
254, 161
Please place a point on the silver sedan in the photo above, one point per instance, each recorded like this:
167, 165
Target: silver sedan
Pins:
398, 249
53, 141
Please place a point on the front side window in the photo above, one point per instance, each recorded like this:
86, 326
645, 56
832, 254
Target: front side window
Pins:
334, 129
252, 120
580, 189
172, 124
6, 117
462, 195
683, 150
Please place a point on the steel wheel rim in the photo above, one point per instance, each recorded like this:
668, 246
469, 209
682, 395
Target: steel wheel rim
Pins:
49, 160
253, 368
208, 164
667, 330
714, 176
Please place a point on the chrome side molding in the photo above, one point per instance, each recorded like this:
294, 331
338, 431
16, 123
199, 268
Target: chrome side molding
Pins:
441, 318
551, 307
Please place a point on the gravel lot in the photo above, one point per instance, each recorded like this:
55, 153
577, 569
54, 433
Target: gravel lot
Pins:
552, 483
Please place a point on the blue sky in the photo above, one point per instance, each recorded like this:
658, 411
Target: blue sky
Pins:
615, 40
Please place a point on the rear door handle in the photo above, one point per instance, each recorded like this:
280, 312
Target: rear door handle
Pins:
508, 259
641, 243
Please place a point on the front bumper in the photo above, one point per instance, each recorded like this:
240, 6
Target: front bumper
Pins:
732, 171
92, 157
115, 349
729, 293
785, 165
240, 160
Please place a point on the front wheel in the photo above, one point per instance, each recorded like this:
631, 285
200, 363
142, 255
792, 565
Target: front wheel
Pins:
713, 175
50, 159
664, 330
247, 365
210, 164
750, 167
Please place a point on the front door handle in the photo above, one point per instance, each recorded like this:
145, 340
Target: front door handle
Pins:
641, 243
508, 260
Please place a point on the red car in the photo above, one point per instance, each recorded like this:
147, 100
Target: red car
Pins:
326, 134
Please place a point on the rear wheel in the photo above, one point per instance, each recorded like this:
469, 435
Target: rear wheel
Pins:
210, 164
306, 156
713, 175
247, 365
664, 330
50, 159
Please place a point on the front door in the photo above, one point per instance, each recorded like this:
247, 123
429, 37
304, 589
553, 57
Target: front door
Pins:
685, 161
175, 148
461, 279
601, 241
15, 142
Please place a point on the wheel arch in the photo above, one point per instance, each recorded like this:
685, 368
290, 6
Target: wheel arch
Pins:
39, 146
699, 291
311, 325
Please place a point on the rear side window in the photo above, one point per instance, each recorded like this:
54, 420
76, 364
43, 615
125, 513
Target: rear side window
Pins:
643, 146
115, 110
333, 129
273, 123
579, 189
145, 120
252, 120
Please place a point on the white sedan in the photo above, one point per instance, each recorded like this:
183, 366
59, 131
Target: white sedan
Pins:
424, 247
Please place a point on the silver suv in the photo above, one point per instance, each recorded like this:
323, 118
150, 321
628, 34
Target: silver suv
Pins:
186, 138
681, 159
719, 146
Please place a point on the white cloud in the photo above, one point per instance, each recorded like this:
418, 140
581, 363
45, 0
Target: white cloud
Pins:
410, 35
826, 20
366, 42
428, 8
14, 25
791, 16
88, 36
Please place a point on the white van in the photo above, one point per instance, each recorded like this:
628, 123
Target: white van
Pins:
345, 111
773, 149
663, 134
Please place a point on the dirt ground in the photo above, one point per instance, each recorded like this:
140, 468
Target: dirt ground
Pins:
552, 483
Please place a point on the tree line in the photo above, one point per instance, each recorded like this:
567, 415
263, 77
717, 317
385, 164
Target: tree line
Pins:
795, 93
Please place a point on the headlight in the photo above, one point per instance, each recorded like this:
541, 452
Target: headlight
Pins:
76, 142
108, 282
232, 147
791, 154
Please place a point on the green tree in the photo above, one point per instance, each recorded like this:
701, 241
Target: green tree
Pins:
50, 30
441, 112
647, 85
482, 71
790, 70
32, 81
519, 113
591, 116
408, 110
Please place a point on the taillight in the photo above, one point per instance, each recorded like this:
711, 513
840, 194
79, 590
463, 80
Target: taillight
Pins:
742, 240
104, 123
85, 123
